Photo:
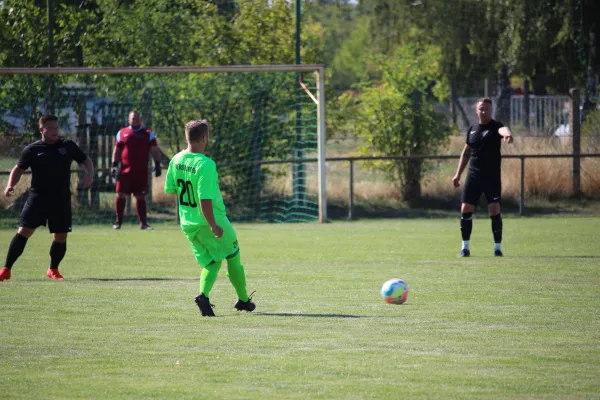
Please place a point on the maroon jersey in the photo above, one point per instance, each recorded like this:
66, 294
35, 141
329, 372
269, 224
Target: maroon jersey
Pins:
136, 147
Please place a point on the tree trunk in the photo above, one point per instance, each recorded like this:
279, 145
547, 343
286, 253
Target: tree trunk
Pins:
504, 93
411, 186
454, 100
590, 79
456, 106
539, 89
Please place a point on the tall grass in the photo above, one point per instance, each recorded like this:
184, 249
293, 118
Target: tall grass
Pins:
545, 179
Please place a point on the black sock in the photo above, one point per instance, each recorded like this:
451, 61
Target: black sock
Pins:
497, 228
57, 253
466, 225
17, 244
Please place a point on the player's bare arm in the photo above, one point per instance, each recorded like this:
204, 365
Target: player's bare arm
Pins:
506, 134
89, 171
116, 159
156, 157
155, 153
462, 164
15, 177
207, 211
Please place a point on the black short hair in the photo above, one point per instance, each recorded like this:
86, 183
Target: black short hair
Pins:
46, 118
485, 100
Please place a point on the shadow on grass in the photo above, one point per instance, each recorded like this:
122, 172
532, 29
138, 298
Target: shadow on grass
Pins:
135, 279
311, 315
582, 257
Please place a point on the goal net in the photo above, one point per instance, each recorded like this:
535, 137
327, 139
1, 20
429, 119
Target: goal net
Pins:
267, 133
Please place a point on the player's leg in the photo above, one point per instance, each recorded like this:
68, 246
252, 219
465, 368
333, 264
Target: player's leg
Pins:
208, 277
123, 190
142, 211
466, 227
120, 202
210, 268
15, 249
492, 193
237, 277
59, 224
235, 270
496, 217
58, 249
32, 216
139, 188
470, 196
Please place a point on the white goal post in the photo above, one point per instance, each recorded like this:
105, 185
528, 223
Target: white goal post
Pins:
319, 99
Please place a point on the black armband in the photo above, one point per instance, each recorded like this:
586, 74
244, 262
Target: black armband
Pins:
115, 164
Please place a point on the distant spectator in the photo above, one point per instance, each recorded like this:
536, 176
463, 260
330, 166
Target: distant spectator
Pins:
132, 147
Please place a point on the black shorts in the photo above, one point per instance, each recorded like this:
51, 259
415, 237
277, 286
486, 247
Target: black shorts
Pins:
491, 187
38, 210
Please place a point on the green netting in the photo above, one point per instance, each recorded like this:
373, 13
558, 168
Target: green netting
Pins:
255, 118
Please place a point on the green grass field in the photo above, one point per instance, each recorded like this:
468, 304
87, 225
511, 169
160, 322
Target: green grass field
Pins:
124, 325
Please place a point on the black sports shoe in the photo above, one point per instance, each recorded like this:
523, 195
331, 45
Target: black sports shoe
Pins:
498, 253
204, 305
245, 305
117, 225
465, 253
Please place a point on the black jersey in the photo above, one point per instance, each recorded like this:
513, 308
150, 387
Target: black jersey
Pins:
485, 141
51, 166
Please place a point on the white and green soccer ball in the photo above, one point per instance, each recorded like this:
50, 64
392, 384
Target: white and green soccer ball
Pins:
394, 291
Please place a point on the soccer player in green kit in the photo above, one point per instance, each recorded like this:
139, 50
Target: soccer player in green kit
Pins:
193, 177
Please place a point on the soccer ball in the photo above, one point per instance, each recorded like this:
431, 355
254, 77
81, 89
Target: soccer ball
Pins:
394, 291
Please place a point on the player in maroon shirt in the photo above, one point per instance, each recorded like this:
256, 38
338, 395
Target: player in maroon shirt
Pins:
132, 147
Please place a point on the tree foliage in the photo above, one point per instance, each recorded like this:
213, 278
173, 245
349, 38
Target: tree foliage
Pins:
398, 116
366, 46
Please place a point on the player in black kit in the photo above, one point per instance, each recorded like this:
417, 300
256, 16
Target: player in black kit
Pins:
50, 193
483, 148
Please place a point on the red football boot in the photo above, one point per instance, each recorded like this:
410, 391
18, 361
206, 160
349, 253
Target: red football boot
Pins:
54, 274
4, 274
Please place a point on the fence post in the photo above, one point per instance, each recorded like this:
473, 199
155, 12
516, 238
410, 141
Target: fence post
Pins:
522, 196
575, 127
351, 189
526, 109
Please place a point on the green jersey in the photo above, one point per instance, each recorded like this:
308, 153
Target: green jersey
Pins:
193, 176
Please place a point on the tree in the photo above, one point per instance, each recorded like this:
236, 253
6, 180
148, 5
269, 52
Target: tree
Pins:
397, 116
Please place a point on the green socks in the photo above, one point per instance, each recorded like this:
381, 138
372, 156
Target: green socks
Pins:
235, 273
208, 277
237, 276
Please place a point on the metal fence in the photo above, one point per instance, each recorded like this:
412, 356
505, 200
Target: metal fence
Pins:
576, 158
521, 157
546, 114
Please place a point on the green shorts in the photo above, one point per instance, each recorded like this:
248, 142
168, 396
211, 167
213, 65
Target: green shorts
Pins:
207, 248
